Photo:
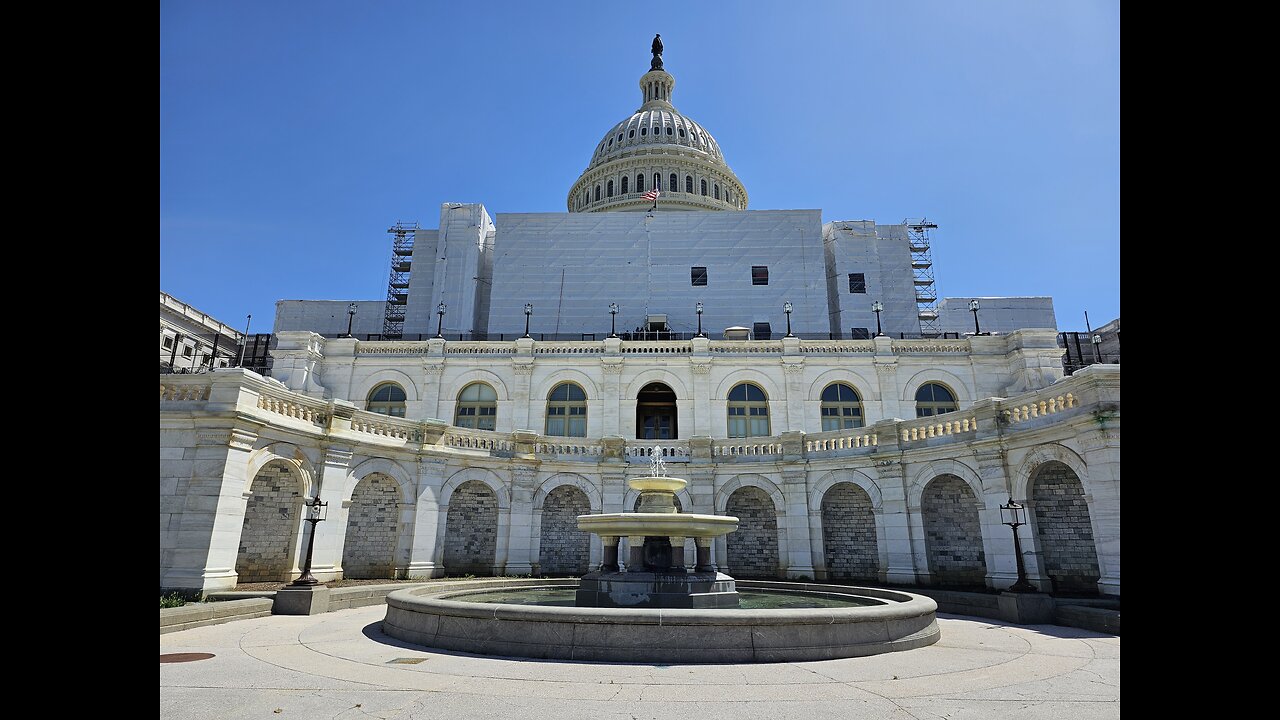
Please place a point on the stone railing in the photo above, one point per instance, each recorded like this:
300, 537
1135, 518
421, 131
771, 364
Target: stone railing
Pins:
930, 347
480, 348
937, 426
755, 447
393, 347
385, 426
1016, 412
819, 347
565, 446
671, 449
468, 439
657, 348
293, 405
184, 389
746, 346
852, 439
584, 347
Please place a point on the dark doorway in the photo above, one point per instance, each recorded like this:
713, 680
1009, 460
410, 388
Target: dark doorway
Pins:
656, 413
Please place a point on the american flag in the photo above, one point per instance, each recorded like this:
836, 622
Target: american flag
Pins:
652, 195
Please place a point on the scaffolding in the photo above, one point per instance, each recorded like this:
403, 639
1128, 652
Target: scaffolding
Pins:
398, 283
922, 272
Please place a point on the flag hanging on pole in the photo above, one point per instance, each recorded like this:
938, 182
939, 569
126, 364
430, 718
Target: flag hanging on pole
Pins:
652, 195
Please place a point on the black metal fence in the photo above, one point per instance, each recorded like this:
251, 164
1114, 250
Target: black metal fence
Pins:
1079, 350
189, 353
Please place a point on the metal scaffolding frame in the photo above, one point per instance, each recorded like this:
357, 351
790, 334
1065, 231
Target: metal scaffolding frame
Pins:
398, 283
922, 272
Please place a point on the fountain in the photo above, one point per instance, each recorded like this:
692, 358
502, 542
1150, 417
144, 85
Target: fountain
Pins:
657, 610
656, 576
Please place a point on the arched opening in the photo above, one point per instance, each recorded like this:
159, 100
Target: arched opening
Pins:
688, 184
563, 549
625, 184
934, 399
748, 412
656, 417
841, 407
675, 183
477, 407
269, 531
566, 411
471, 530
373, 527
1070, 557
640, 183
753, 547
953, 532
387, 399
609, 189
849, 534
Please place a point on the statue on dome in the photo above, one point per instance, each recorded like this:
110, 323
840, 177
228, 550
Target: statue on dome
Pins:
657, 53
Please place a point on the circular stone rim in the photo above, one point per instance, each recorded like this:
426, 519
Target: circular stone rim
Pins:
431, 616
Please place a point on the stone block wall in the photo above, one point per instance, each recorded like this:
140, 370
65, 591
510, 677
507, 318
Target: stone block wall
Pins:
270, 520
471, 530
753, 547
564, 549
849, 534
953, 532
1062, 526
372, 528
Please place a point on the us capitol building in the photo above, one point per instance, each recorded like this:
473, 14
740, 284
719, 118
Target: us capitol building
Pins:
802, 376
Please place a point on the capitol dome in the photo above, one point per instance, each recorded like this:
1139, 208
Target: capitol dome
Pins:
658, 147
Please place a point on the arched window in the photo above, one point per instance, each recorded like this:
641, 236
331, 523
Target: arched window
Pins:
625, 180
688, 184
748, 411
567, 411
631, 133
644, 130
717, 191
657, 181
387, 399
682, 132
477, 407
704, 186
597, 193
609, 190
934, 399
675, 183
668, 129
640, 182
841, 408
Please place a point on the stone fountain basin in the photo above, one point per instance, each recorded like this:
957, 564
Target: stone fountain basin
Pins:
659, 484
443, 619
658, 524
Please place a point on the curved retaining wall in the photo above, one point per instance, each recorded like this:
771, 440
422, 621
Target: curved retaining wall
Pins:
430, 617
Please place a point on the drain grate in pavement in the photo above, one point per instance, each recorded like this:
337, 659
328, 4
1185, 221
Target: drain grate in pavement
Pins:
406, 661
184, 657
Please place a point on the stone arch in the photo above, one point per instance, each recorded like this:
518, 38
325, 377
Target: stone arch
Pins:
288, 453
1063, 528
849, 542
269, 534
390, 468
487, 377
471, 529
564, 478
387, 375
953, 531
868, 389
926, 474
748, 375
958, 387
835, 477
749, 480
373, 527
752, 550
569, 375
487, 477
563, 549
658, 375
1040, 455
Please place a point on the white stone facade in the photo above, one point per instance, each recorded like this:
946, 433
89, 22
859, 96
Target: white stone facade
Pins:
1017, 414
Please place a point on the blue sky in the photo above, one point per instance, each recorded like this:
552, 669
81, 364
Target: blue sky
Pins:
293, 134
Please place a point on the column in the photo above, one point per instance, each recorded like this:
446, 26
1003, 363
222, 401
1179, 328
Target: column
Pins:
520, 550
795, 550
334, 474
611, 395
997, 538
700, 364
900, 535
1102, 491
425, 553
886, 364
610, 562
522, 366
432, 373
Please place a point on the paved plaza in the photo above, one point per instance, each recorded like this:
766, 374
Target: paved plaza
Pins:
340, 665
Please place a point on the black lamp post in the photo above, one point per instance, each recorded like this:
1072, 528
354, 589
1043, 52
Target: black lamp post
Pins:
351, 316
440, 320
243, 346
613, 319
1014, 515
786, 308
1097, 345
528, 310
877, 307
973, 308
316, 512
698, 309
